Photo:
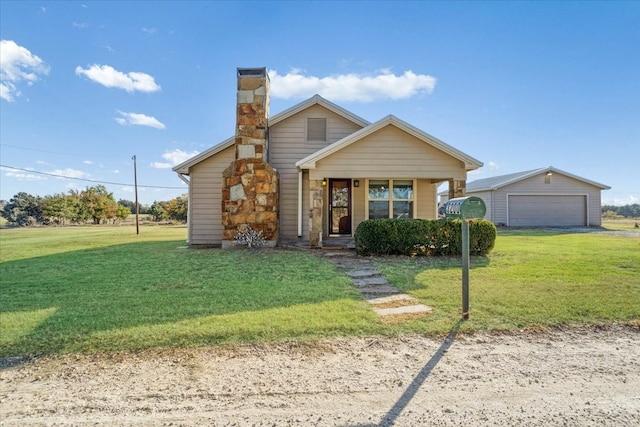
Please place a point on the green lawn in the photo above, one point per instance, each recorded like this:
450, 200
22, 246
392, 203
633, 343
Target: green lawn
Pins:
532, 278
72, 289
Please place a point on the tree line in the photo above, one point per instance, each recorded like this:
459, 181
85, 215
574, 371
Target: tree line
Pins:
626, 211
93, 205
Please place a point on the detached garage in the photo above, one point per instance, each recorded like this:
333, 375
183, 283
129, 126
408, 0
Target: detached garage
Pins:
546, 197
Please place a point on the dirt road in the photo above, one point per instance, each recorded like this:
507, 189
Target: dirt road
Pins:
576, 377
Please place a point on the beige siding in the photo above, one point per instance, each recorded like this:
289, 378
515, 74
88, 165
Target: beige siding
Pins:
389, 152
287, 145
426, 199
560, 185
205, 224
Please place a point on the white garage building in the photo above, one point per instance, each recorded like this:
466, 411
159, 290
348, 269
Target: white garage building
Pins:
546, 197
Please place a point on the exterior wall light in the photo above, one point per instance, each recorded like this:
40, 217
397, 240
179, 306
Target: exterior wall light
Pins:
324, 182
356, 183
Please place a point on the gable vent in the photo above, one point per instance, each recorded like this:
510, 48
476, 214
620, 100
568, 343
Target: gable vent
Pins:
316, 129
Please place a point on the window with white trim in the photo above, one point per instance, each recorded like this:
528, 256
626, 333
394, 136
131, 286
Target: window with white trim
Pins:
390, 198
316, 129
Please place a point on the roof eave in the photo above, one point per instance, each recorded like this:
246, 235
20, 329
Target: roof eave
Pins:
183, 168
309, 162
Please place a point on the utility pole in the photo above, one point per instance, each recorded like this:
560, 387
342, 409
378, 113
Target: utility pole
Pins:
135, 184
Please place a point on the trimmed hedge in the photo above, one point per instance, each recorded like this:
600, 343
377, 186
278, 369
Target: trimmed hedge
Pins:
422, 237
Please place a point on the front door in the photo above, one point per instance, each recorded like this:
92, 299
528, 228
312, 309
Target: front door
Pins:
340, 206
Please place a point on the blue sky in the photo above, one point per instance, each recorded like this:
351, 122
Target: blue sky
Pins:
518, 85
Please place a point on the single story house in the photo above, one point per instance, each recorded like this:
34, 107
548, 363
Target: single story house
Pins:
313, 171
545, 197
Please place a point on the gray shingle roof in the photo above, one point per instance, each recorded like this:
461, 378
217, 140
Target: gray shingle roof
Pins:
496, 182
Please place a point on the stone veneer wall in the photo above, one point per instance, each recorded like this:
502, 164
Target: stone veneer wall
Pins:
250, 187
457, 188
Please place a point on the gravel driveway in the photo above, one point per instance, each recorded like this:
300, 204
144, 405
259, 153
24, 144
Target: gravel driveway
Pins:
581, 376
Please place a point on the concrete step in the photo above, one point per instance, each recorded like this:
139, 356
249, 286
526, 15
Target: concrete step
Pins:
392, 298
377, 290
362, 273
370, 281
406, 309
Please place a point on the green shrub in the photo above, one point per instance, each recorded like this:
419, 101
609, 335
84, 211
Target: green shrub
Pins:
422, 237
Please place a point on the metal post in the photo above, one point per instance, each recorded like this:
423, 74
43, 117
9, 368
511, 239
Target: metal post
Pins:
465, 269
135, 184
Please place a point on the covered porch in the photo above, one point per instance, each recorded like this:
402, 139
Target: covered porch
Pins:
337, 205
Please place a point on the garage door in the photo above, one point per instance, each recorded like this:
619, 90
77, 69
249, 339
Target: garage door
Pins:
547, 211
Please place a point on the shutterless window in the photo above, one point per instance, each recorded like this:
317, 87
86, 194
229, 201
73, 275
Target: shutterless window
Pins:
390, 198
316, 129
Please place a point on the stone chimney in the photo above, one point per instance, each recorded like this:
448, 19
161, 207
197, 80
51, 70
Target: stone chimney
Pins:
250, 188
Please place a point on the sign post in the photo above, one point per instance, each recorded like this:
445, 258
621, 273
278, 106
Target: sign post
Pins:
465, 209
465, 269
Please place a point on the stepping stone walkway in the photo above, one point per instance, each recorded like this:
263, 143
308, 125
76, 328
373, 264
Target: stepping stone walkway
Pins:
386, 300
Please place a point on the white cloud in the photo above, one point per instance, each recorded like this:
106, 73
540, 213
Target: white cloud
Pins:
174, 157
17, 65
69, 173
73, 186
621, 201
351, 87
161, 165
493, 166
149, 30
22, 175
87, 162
139, 120
80, 25
110, 77
129, 189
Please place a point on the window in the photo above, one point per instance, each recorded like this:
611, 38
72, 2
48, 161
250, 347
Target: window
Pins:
390, 198
316, 129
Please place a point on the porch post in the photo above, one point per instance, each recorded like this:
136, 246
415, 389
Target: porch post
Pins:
315, 213
299, 203
457, 188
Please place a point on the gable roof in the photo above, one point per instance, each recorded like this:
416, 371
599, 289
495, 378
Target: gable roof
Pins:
497, 182
317, 100
183, 168
309, 162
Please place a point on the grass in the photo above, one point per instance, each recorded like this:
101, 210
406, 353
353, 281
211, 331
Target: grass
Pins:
78, 289
621, 224
533, 278
89, 288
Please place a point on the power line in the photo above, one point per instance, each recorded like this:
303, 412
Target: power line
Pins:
89, 180
57, 152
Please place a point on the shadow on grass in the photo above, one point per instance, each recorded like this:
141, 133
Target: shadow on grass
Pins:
149, 283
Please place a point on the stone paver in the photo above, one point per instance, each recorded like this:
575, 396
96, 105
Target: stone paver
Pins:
379, 290
405, 309
392, 298
362, 273
371, 281
373, 286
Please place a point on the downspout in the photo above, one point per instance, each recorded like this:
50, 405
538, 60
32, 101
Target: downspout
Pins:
299, 203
